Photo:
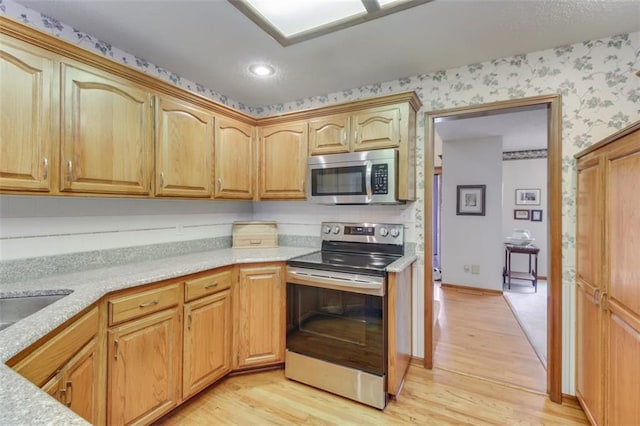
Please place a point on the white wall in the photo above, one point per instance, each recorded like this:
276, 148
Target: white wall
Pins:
468, 240
526, 174
39, 226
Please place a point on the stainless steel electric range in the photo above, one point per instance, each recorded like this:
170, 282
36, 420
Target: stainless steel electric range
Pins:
337, 311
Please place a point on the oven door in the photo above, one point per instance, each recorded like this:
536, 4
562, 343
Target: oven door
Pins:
343, 325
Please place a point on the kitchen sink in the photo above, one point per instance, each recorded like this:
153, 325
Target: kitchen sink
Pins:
14, 309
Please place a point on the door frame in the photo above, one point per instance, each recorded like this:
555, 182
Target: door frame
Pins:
553, 103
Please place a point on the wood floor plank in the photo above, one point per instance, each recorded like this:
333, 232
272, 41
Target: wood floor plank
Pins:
478, 335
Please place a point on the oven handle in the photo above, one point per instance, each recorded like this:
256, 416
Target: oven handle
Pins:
368, 180
369, 285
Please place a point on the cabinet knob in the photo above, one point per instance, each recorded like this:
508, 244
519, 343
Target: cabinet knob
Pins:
161, 179
45, 163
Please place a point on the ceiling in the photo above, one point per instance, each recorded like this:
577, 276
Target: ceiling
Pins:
210, 42
520, 130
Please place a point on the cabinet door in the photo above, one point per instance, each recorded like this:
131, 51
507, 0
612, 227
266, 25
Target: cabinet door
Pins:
26, 116
234, 158
80, 383
589, 337
144, 368
107, 134
329, 135
207, 341
283, 161
184, 149
623, 282
377, 128
260, 318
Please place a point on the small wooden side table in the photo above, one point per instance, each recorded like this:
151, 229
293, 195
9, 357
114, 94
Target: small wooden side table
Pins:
531, 275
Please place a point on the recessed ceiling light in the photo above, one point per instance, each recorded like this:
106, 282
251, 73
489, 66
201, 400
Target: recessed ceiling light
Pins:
262, 70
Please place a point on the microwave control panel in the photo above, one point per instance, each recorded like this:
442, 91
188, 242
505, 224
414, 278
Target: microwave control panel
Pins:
380, 178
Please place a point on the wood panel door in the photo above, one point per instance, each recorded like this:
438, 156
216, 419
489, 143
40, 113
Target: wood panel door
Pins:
184, 149
259, 316
283, 161
207, 341
589, 333
330, 135
107, 134
26, 116
145, 367
377, 128
622, 297
234, 160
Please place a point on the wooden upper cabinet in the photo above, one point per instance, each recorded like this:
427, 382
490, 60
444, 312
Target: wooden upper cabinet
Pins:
107, 133
234, 160
377, 128
26, 116
283, 161
330, 135
184, 149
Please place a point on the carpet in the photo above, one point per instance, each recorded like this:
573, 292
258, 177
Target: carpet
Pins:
530, 310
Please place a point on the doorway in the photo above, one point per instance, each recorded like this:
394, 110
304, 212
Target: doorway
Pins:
554, 331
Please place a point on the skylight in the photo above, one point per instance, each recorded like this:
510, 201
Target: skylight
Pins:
293, 21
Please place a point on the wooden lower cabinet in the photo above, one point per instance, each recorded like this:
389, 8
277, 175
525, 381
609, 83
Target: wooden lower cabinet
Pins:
69, 366
399, 325
145, 367
207, 341
259, 316
75, 385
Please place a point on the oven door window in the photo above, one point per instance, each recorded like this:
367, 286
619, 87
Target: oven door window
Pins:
339, 181
340, 327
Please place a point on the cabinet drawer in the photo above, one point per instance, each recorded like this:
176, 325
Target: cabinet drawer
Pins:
207, 284
131, 306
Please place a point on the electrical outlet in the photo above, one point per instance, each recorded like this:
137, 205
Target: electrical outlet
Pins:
475, 269
466, 268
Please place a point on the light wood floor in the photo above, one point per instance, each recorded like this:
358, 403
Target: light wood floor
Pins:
478, 335
429, 397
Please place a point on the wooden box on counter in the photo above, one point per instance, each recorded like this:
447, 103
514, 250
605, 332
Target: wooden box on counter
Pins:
254, 234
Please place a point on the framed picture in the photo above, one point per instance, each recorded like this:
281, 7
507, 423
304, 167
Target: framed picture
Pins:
536, 215
528, 197
470, 200
520, 214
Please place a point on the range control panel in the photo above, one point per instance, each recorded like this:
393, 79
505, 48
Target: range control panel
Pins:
386, 233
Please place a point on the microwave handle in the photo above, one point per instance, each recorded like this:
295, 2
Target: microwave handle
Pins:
367, 179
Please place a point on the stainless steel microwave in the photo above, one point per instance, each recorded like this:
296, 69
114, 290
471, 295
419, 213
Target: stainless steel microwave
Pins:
366, 177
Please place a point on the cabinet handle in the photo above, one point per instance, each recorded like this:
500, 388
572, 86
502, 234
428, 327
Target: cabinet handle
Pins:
596, 300
115, 349
150, 303
212, 285
355, 136
69, 387
161, 179
63, 396
45, 163
344, 135
189, 320
70, 171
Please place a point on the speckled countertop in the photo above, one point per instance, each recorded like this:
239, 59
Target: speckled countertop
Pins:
23, 403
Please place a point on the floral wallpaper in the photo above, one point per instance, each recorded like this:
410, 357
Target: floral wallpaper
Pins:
597, 81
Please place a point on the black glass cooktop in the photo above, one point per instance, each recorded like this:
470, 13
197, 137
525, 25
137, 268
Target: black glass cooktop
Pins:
372, 263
